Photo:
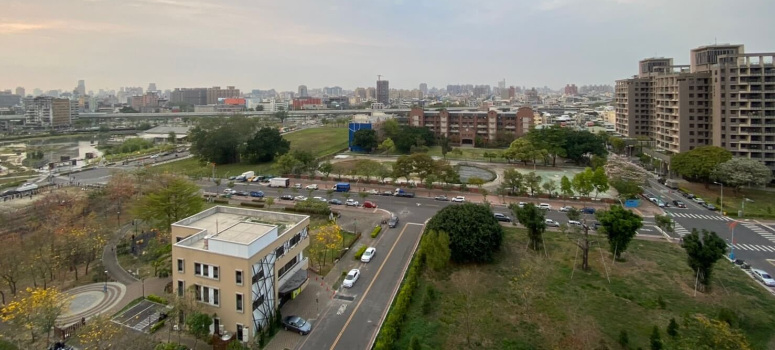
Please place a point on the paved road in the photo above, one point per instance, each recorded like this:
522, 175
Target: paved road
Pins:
754, 242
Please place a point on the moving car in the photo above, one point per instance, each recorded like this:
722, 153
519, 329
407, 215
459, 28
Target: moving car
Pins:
368, 254
287, 197
552, 223
763, 277
545, 206
442, 198
679, 204
300, 198
369, 204
312, 187
320, 199
351, 203
351, 278
335, 202
393, 222
386, 193
587, 210
501, 217
297, 186
297, 324
710, 206
458, 199
258, 194
566, 208
574, 223
229, 191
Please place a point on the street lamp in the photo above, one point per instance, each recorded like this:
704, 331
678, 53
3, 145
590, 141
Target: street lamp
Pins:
105, 287
721, 203
742, 207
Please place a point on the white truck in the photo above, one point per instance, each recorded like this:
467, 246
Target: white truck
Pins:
246, 175
279, 182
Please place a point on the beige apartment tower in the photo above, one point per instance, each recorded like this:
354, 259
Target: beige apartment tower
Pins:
241, 265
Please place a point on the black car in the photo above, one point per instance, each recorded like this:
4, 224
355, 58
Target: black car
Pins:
679, 204
287, 197
297, 324
587, 210
393, 222
335, 202
501, 217
243, 193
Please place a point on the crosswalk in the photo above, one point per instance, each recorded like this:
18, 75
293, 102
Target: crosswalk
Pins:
754, 247
761, 231
701, 216
680, 230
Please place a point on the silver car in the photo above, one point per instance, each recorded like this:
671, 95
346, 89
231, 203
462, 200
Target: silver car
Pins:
763, 277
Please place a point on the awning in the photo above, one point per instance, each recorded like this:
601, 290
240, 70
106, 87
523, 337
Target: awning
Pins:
294, 282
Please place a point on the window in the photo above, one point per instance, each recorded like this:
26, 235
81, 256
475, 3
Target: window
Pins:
181, 288
197, 269
238, 277
206, 271
239, 302
258, 302
216, 297
258, 276
280, 251
215, 272
181, 264
197, 292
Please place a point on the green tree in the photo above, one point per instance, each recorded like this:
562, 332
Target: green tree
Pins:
627, 189
620, 226
474, 234
435, 247
307, 161
282, 115
672, 328
265, 145
580, 145
699, 163
617, 144
169, 200
664, 222
198, 325
582, 182
599, 181
702, 252
566, 187
552, 139
521, 149
445, 145
573, 214
701, 332
288, 164
739, 172
219, 140
326, 168
366, 139
403, 168
391, 129
514, 181
655, 340
550, 187
490, 155
534, 220
533, 182
387, 146
447, 173
423, 165
412, 136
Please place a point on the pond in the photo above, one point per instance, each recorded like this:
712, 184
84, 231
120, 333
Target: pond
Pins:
467, 172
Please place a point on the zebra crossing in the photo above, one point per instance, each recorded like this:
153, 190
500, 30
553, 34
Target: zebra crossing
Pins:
680, 230
754, 247
761, 231
701, 216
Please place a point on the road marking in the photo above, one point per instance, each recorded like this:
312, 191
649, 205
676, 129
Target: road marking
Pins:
341, 310
357, 306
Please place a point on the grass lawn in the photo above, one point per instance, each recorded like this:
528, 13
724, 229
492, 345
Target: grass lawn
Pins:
763, 205
319, 141
528, 301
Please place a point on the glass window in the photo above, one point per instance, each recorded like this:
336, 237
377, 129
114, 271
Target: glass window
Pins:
181, 264
238, 277
197, 269
215, 272
239, 302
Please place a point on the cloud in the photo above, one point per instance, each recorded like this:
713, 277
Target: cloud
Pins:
15, 28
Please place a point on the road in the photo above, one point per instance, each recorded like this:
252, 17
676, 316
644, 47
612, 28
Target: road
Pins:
754, 242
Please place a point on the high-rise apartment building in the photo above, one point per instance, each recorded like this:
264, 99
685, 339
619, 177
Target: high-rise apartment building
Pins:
241, 265
214, 93
152, 87
723, 98
424, 89
571, 90
148, 103
49, 111
81, 88
371, 93
383, 92
20, 91
191, 96
303, 91
360, 92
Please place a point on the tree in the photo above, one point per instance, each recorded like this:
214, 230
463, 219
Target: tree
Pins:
172, 138
445, 145
626, 189
403, 168
552, 139
699, 163
474, 234
619, 168
533, 182
307, 161
35, 311
387, 146
534, 220
13, 262
330, 237
620, 225
282, 115
566, 187
98, 333
702, 252
672, 328
391, 129
617, 144
514, 181
581, 145
655, 340
582, 182
435, 248
739, 172
265, 145
573, 214
550, 187
366, 139
664, 222
410, 136
701, 332
288, 164
521, 149
490, 155
170, 200
219, 140
326, 168
599, 181
368, 167
198, 324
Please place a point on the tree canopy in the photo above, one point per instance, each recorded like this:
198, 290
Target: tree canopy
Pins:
169, 200
534, 220
699, 163
409, 136
366, 139
739, 172
219, 140
620, 226
265, 145
474, 233
581, 145
702, 252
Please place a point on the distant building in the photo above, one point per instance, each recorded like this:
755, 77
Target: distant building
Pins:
371, 93
81, 88
161, 134
52, 112
303, 91
9, 100
571, 90
273, 105
152, 87
214, 93
307, 103
464, 127
531, 96
190, 96
148, 103
383, 92
424, 89
360, 93
20, 91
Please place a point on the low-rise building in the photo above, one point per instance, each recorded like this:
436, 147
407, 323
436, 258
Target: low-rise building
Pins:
464, 127
240, 264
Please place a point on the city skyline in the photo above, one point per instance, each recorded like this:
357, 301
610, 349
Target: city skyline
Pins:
51, 45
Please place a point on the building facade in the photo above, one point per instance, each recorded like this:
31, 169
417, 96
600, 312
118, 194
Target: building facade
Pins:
465, 127
383, 92
191, 96
214, 93
240, 264
303, 91
307, 103
52, 112
148, 103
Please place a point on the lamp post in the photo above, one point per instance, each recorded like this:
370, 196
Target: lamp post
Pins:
721, 203
105, 287
742, 206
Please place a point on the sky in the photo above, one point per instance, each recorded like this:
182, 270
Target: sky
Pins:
263, 44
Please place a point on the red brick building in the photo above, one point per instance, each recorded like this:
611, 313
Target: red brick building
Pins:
463, 127
306, 103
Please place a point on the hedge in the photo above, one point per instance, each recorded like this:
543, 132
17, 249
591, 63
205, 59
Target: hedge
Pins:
359, 252
156, 299
221, 201
157, 326
376, 231
251, 204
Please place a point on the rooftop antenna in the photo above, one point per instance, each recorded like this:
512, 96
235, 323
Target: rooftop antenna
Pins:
379, 77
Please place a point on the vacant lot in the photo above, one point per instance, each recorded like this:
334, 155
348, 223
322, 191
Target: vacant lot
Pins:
763, 205
530, 301
319, 141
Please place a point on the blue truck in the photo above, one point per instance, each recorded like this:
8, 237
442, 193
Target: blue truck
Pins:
342, 187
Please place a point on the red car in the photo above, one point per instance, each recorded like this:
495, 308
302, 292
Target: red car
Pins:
369, 204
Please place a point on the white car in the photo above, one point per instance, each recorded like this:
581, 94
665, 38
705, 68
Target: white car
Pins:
458, 199
552, 223
229, 191
763, 277
368, 254
351, 277
574, 223
373, 191
545, 206
351, 203
154, 156
300, 198
566, 209
312, 187
297, 186
522, 204
321, 199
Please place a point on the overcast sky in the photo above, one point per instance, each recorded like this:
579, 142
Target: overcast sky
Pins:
262, 44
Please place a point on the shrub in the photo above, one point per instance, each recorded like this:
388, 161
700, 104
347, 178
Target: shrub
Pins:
360, 251
156, 299
310, 207
157, 326
221, 201
252, 205
376, 231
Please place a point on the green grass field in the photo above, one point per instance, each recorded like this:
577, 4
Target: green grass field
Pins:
528, 301
320, 141
763, 205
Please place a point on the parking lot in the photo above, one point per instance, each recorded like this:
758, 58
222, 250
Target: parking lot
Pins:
142, 316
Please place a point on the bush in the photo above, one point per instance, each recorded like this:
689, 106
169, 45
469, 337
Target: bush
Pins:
157, 326
257, 200
310, 207
360, 251
252, 205
221, 201
376, 231
156, 299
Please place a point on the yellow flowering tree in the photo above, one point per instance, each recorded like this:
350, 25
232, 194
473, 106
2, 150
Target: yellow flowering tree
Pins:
35, 310
330, 237
99, 333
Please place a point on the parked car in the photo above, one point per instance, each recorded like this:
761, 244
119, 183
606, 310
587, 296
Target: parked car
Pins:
566, 208
710, 206
458, 199
654, 199
312, 187
154, 156
552, 223
698, 200
373, 191
229, 191
502, 217
369, 204
545, 206
287, 197
587, 210
297, 324
522, 204
320, 199
232, 177
258, 194
442, 198
679, 204
386, 193
300, 198
368, 254
243, 193
351, 278
574, 223
763, 277
297, 186
393, 222
351, 203
335, 202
